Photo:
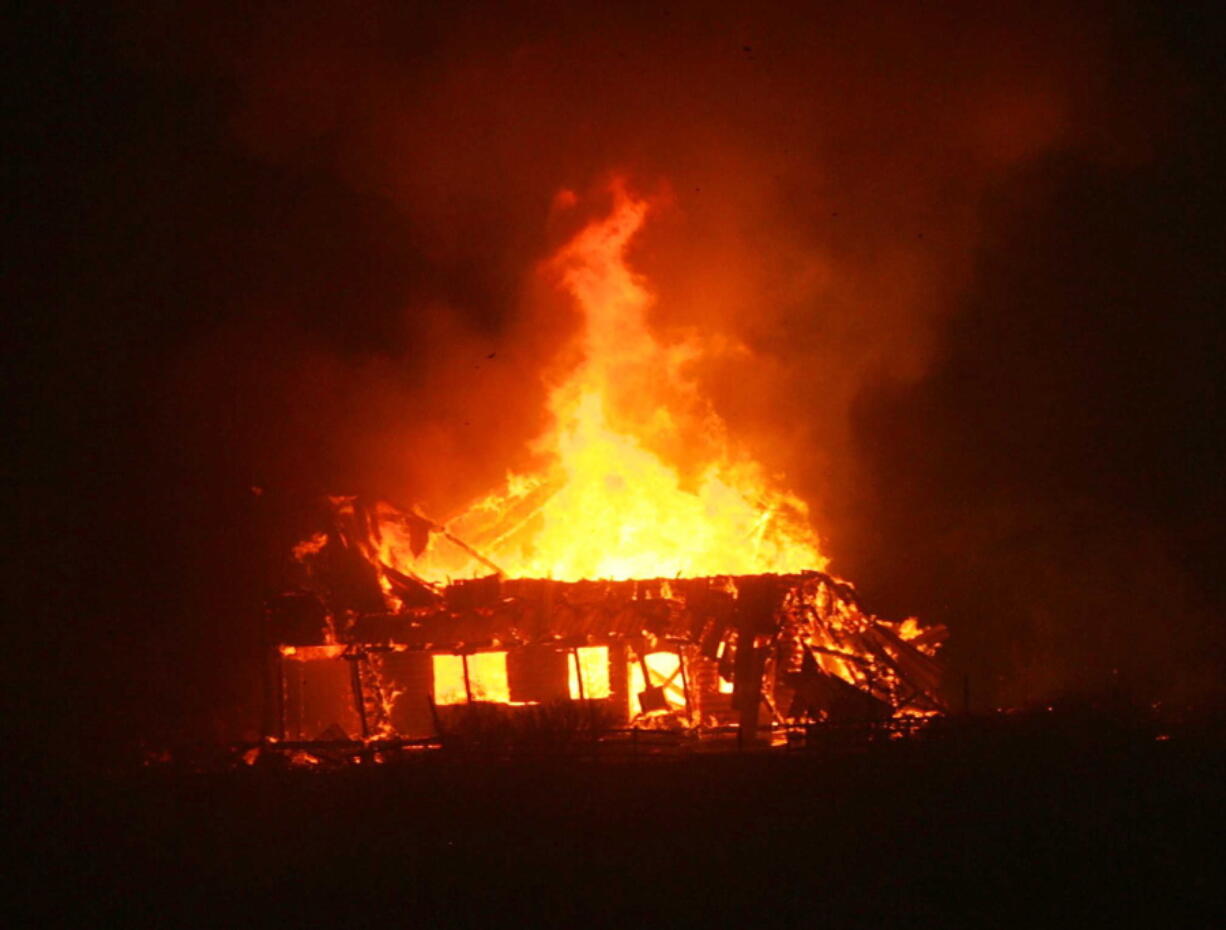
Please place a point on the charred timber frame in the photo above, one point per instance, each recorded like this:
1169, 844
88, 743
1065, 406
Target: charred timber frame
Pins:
827, 653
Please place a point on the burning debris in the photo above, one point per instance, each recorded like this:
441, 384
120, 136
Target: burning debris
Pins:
551, 590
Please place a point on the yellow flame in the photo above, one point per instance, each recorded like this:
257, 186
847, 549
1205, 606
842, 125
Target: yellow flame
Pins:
613, 506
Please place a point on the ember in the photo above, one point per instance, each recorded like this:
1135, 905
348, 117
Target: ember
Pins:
551, 588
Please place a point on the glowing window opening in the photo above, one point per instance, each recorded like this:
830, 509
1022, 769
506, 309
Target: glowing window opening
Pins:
593, 662
487, 678
664, 669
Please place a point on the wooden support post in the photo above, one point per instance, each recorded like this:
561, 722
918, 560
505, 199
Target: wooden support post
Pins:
274, 694
468, 687
591, 705
618, 681
359, 699
747, 684
685, 685
574, 654
273, 723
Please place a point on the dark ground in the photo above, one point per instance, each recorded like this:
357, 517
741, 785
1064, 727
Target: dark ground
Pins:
1063, 819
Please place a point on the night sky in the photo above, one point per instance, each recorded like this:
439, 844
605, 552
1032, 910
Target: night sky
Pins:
976, 258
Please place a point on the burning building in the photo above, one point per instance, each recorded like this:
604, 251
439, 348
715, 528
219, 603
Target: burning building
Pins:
648, 571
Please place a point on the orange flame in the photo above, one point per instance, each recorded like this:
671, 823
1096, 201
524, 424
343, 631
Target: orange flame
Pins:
612, 506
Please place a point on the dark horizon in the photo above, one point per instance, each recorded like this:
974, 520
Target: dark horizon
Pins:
976, 256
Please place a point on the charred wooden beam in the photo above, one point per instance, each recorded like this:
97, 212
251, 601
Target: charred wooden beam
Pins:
468, 685
359, 699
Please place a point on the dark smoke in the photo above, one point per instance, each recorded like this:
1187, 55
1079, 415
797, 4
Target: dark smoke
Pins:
960, 252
